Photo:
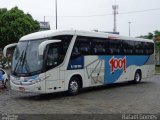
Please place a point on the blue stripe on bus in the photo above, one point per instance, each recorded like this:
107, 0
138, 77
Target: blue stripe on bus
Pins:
77, 63
130, 60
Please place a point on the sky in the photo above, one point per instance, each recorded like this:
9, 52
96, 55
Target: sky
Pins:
144, 15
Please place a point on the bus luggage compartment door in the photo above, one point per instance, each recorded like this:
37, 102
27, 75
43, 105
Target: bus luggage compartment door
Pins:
95, 70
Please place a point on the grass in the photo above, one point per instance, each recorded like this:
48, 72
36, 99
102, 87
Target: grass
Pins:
158, 69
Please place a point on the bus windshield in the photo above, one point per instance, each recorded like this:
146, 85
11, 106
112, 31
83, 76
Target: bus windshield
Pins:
25, 59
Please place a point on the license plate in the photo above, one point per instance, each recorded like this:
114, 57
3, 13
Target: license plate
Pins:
22, 89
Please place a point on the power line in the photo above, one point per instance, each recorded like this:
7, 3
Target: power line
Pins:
120, 13
98, 15
147, 10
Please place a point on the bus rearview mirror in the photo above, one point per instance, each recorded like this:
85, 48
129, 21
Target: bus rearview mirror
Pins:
6, 48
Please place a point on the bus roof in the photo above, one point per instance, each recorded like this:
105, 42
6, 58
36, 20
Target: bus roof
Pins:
51, 33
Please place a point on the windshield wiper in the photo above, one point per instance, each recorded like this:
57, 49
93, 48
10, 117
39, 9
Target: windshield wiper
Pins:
19, 61
22, 61
25, 62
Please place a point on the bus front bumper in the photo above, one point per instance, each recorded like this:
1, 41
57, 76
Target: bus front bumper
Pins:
38, 87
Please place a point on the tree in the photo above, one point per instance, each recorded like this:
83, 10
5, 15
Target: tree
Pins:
14, 24
156, 37
149, 36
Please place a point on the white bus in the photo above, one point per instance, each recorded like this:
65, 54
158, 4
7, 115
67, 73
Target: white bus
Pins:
54, 61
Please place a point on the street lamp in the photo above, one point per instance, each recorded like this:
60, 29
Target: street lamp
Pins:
129, 28
56, 12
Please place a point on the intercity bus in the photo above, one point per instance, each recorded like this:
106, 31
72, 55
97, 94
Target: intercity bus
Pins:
54, 61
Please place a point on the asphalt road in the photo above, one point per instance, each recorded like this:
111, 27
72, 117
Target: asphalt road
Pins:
112, 99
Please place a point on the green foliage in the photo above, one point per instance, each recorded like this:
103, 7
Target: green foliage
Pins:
155, 36
149, 36
156, 33
158, 69
14, 24
5, 62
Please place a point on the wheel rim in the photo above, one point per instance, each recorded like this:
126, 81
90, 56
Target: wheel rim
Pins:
137, 77
74, 86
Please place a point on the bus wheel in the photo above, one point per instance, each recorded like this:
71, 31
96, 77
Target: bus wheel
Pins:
74, 86
137, 77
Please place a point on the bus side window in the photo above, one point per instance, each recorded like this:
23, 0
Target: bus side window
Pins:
145, 48
142, 48
149, 48
54, 56
125, 47
81, 47
84, 48
107, 48
128, 47
65, 40
139, 49
131, 44
75, 53
115, 47
98, 46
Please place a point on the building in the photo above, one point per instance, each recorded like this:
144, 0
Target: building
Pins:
44, 26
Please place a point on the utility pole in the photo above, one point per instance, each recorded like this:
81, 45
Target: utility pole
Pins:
129, 28
44, 19
56, 12
115, 12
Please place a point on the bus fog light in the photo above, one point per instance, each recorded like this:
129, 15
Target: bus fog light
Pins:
39, 88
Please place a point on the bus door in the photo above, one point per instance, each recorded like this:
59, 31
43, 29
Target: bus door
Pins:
53, 58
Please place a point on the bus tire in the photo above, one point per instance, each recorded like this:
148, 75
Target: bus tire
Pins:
74, 86
137, 77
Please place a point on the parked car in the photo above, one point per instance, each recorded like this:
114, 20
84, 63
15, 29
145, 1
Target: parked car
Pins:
3, 77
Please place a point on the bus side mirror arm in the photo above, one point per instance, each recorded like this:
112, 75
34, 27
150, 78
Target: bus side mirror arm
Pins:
43, 45
6, 47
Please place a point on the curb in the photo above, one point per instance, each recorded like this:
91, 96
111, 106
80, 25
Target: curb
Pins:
157, 73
